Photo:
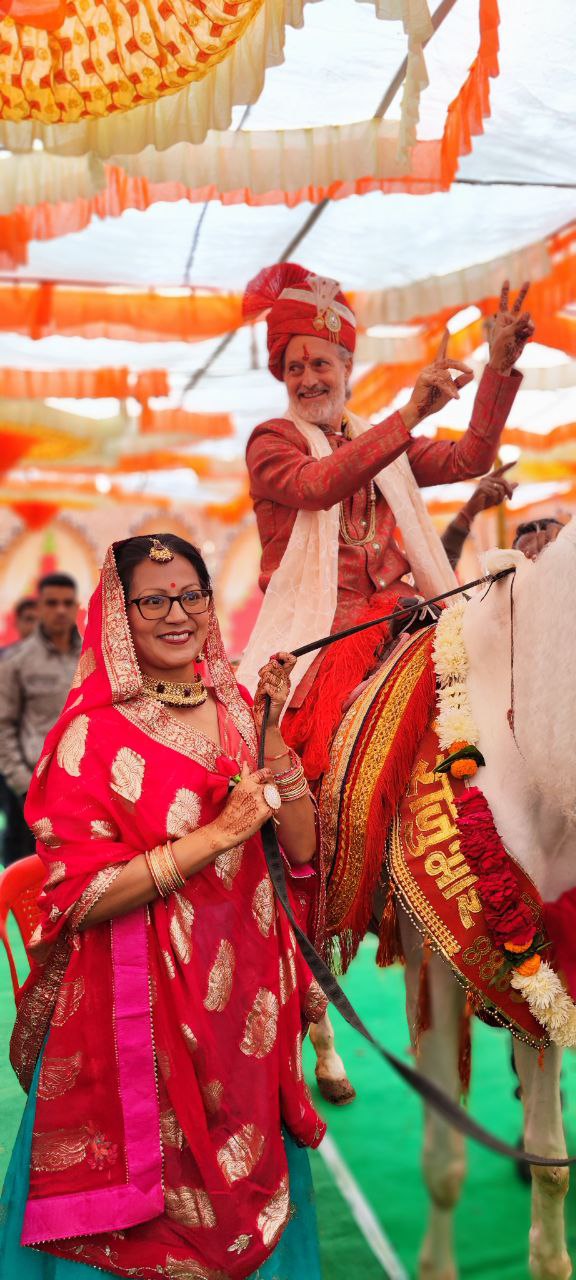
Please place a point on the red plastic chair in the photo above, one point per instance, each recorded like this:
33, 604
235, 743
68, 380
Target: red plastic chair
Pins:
19, 888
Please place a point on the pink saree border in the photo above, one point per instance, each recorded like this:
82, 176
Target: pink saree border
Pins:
142, 1196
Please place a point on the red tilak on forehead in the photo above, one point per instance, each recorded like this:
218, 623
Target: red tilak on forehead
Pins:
305, 352
172, 584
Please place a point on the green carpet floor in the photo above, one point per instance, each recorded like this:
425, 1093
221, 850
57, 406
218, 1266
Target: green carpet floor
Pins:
379, 1137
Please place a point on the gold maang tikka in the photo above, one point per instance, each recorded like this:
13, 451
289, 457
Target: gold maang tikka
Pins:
158, 552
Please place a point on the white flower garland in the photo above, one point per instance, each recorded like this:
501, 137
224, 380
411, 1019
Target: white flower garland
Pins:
547, 1000
454, 722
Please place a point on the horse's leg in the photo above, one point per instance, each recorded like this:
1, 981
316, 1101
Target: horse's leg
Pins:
544, 1135
333, 1082
444, 1161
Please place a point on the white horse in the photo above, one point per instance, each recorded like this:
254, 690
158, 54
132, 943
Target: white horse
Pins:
529, 781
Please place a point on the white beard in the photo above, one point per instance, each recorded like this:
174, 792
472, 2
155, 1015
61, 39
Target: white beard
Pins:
322, 412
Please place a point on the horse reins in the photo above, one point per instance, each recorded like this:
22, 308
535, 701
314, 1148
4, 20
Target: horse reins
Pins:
430, 1092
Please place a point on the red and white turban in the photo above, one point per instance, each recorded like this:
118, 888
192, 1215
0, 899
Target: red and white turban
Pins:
296, 302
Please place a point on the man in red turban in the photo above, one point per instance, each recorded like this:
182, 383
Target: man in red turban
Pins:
330, 494
311, 341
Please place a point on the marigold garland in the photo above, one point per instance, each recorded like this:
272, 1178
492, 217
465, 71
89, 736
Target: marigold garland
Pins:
507, 916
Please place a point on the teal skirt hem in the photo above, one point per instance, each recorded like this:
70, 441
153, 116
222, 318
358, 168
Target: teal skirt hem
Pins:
295, 1256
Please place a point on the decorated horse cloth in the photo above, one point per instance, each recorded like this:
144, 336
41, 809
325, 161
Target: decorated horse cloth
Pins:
437, 887
173, 1033
370, 765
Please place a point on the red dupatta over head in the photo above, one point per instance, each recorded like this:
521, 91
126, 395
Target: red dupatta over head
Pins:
174, 1032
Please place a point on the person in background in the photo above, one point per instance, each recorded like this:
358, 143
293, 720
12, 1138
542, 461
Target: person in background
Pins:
534, 535
34, 683
492, 490
25, 620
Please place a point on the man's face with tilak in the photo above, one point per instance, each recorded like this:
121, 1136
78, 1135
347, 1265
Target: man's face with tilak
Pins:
316, 379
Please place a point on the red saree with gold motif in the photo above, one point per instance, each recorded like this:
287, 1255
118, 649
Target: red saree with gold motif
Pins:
174, 1033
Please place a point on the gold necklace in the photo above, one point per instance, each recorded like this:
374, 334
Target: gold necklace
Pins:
347, 535
190, 693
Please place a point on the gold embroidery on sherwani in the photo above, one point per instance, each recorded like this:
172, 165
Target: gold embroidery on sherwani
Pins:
44, 831
227, 865
72, 745
68, 1001
241, 1153
180, 927
56, 876
212, 1094
60, 1149
86, 666
220, 978
189, 1037
260, 1031
103, 830
58, 1075
190, 1206
128, 774
275, 1214
288, 976
183, 814
263, 906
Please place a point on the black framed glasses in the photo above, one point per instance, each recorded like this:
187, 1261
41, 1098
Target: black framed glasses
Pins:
157, 605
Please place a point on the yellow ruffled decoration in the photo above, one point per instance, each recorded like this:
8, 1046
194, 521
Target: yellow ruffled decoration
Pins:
113, 55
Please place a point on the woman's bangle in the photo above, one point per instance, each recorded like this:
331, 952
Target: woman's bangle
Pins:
164, 869
286, 752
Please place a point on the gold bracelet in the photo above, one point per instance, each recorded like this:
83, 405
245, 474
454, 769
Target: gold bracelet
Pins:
177, 877
164, 869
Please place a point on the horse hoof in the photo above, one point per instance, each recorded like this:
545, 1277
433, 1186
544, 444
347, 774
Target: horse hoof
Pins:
339, 1092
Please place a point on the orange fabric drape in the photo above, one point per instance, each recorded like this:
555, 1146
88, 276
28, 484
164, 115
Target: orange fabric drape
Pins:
14, 445
77, 384
149, 383
526, 440
206, 426
82, 384
41, 310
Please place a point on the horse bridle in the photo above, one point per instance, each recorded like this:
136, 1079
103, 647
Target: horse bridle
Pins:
430, 1092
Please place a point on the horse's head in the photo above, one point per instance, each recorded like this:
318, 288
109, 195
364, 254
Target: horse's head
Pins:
539, 650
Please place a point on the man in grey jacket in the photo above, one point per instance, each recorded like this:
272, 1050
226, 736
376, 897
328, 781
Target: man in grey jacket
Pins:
34, 685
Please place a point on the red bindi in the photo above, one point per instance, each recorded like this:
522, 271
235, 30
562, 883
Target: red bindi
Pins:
172, 584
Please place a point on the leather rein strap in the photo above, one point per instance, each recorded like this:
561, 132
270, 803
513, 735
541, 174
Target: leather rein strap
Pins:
430, 1092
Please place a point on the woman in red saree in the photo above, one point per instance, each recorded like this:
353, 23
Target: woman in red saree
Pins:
171, 1090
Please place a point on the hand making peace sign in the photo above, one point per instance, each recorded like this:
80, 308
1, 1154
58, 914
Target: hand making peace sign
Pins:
435, 387
509, 330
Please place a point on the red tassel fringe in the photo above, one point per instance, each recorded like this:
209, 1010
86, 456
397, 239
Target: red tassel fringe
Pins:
265, 289
390, 946
311, 728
